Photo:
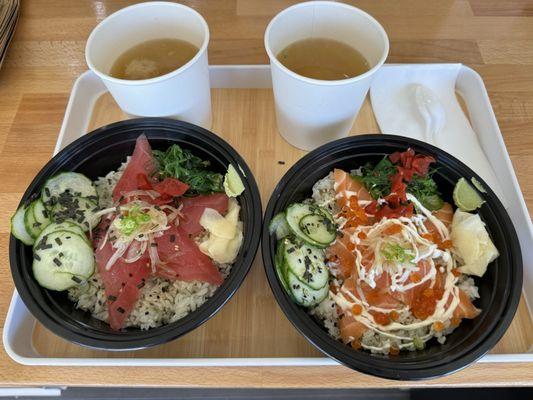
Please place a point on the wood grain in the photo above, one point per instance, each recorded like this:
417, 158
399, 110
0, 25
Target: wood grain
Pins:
492, 36
251, 324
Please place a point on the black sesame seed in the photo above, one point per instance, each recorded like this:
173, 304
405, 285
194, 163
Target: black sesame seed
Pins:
76, 279
57, 262
280, 162
58, 241
111, 298
121, 310
172, 238
36, 256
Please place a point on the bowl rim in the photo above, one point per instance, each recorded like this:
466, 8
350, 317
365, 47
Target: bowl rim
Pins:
139, 339
363, 361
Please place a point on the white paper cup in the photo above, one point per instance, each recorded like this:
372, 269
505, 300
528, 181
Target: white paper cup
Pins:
312, 112
183, 93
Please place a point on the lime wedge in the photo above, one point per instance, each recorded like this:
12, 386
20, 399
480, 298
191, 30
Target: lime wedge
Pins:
478, 185
233, 185
465, 196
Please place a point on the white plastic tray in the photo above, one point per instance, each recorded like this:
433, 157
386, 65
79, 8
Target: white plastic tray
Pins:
18, 329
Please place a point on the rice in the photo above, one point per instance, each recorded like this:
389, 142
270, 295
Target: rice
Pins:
161, 300
327, 313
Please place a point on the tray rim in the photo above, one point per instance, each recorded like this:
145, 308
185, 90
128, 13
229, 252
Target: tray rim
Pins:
222, 76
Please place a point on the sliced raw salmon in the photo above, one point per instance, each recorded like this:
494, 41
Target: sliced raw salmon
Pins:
444, 214
341, 253
465, 309
350, 329
346, 187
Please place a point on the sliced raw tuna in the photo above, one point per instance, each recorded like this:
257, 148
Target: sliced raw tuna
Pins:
171, 187
182, 259
193, 208
141, 162
122, 282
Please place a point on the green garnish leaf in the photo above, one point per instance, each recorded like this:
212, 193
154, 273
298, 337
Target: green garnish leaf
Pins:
377, 178
395, 252
130, 223
180, 163
418, 343
425, 189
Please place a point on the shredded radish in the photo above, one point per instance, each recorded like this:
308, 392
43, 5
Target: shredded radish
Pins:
133, 228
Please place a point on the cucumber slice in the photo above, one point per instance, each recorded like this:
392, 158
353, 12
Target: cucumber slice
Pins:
319, 228
18, 227
306, 263
76, 209
41, 214
295, 213
278, 226
72, 182
304, 295
62, 261
279, 263
66, 226
31, 225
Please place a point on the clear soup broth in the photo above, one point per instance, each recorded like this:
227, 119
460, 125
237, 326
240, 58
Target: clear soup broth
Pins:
324, 59
153, 58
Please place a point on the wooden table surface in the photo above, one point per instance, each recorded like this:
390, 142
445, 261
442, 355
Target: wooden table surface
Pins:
494, 37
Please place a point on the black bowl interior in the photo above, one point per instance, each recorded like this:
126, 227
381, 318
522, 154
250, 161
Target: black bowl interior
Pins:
96, 154
499, 288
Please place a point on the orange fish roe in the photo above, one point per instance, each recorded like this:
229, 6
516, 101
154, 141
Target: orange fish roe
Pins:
394, 351
357, 309
428, 236
381, 318
362, 235
415, 277
455, 321
393, 315
438, 326
456, 272
393, 229
350, 246
447, 244
356, 344
427, 292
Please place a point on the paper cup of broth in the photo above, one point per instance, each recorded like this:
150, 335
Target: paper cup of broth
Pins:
323, 57
153, 59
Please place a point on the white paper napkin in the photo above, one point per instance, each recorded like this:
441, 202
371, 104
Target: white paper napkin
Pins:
393, 102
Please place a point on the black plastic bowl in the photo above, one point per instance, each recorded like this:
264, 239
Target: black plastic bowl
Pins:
96, 154
499, 288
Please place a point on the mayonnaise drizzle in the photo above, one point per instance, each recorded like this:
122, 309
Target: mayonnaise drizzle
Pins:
422, 249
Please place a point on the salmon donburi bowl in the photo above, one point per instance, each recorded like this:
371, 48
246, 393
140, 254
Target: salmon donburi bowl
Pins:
392, 257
